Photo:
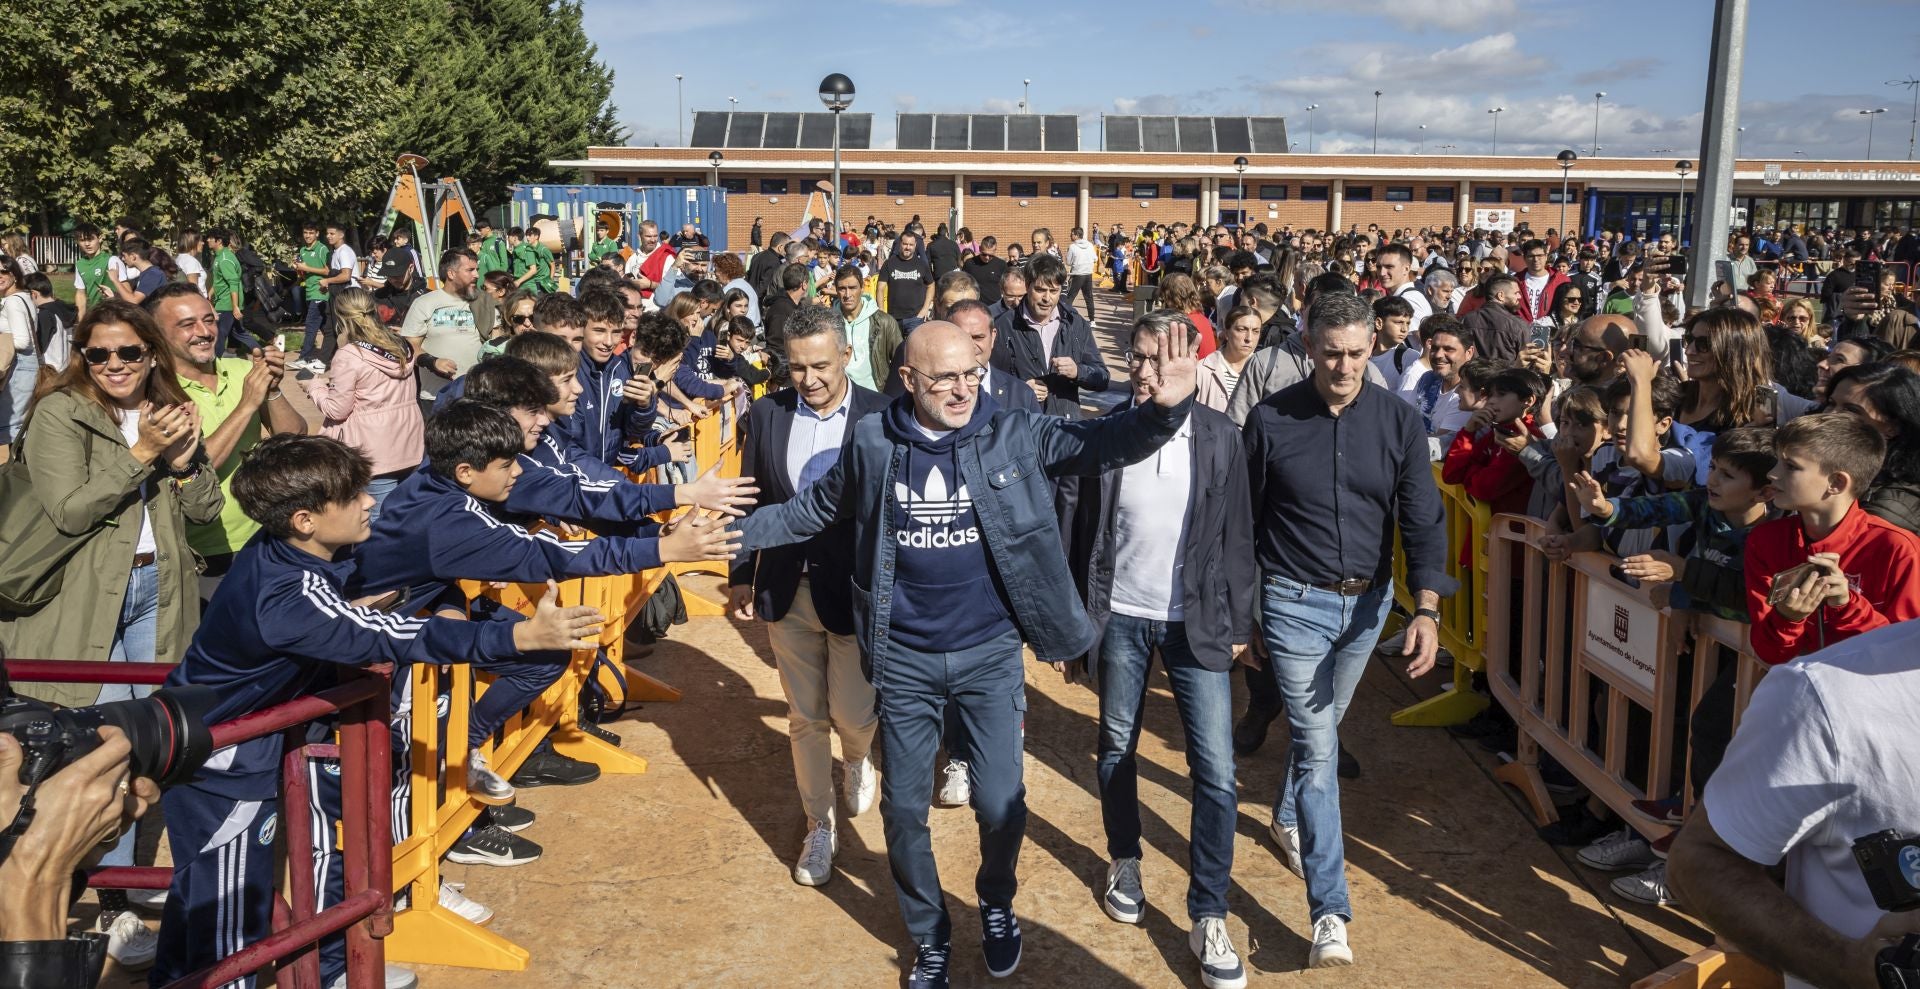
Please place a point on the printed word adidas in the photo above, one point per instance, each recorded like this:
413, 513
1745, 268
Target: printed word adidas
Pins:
934, 512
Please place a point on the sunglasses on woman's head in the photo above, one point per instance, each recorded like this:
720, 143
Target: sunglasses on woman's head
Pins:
130, 354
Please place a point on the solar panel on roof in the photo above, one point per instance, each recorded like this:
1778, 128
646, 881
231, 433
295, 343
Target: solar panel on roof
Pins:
1157, 134
1196, 135
745, 131
1232, 136
1063, 132
1023, 132
816, 130
950, 132
783, 130
856, 129
1269, 134
1123, 134
915, 132
989, 132
709, 130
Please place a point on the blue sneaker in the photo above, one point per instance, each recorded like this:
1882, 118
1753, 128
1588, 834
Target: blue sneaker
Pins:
1220, 966
930, 967
999, 940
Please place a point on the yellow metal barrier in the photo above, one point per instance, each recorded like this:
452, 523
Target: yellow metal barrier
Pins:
716, 440
1463, 617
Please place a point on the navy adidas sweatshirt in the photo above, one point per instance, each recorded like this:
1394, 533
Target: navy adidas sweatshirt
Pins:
277, 628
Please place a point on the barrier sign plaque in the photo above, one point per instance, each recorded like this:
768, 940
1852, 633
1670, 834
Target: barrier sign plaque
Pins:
1622, 635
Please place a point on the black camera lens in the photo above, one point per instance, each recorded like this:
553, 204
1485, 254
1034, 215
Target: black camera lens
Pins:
168, 731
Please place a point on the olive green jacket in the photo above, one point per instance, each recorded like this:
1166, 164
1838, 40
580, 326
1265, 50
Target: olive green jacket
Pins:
87, 479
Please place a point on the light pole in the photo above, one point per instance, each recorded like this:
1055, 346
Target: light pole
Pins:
1684, 167
733, 103
1913, 125
1240, 203
680, 104
836, 91
1496, 112
1423, 139
1026, 96
715, 159
1376, 121
1870, 114
1310, 108
1567, 158
1597, 97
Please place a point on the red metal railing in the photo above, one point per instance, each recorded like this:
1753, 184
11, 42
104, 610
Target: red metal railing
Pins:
365, 913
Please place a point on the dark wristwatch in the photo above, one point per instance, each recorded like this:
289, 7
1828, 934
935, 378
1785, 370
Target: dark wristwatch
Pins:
1427, 613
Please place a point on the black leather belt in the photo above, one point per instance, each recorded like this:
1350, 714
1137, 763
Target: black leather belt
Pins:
1351, 587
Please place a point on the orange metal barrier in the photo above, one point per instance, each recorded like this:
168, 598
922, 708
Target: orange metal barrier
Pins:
1463, 617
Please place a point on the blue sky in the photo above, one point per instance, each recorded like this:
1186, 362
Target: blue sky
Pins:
1441, 63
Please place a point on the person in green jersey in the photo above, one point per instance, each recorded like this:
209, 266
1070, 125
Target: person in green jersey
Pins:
493, 249
227, 293
92, 274
311, 261
543, 278
525, 263
604, 245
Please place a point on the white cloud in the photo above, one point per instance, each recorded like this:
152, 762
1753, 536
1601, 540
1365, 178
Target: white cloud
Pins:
1415, 14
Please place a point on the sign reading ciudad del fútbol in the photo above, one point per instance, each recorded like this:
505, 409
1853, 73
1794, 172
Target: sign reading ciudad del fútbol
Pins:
1774, 175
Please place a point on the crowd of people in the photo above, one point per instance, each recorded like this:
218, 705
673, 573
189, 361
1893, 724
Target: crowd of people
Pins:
935, 451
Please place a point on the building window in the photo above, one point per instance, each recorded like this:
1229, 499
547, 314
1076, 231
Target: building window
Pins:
1229, 190
1186, 190
684, 180
1486, 194
1439, 193
939, 187
1358, 194
1144, 190
899, 187
649, 180
1023, 190
1553, 196
1103, 190
737, 186
1273, 192
859, 187
1313, 193
1064, 190
1526, 195
773, 187
1399, 193
982, 188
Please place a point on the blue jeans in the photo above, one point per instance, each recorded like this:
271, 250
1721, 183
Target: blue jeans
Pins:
16, 393
988, 684
316, 318
232, 329
907, 323
133, 642
1319, 643
1205, 701
380, 487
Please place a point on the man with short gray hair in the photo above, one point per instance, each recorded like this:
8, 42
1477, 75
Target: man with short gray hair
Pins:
1439, 285
1271, 369
1324, 526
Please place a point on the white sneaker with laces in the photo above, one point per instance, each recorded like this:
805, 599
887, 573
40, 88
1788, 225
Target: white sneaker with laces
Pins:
131, 943
1649, 887
1620, 851
1220, 966
1289, 841
1124, 900
451, 898
1330, 948
955, 791
484, 785
862, 785
816, 856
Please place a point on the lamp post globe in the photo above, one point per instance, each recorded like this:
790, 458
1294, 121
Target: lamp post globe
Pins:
1566, 159
1240, 190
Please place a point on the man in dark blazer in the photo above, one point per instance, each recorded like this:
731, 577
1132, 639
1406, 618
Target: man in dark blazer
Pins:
805, 590
976, 318
1167, 562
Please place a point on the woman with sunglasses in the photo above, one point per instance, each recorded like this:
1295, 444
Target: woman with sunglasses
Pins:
113, 444
1569, 300
516, 316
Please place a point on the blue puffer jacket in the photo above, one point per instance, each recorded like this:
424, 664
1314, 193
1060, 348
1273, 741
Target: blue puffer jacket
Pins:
1007, 466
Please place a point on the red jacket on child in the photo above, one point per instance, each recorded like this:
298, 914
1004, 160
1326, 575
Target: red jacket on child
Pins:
1882, 564
1488, 471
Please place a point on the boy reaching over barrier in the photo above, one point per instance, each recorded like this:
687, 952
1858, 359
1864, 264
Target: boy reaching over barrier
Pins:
274, 628
1481, 456
1833, 570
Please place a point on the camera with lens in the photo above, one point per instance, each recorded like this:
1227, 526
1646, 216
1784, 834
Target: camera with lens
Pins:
1890, 863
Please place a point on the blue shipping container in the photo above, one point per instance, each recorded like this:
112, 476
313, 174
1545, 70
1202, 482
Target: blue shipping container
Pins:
668, 205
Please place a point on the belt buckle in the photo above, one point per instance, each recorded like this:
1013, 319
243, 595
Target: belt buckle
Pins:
1352, 586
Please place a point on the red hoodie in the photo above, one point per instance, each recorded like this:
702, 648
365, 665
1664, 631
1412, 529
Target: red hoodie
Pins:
1882, 564
1489, 472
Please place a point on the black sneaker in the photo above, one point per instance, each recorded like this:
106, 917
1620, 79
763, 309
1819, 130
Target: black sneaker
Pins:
600, 733
1349, 766
1576, 828
930, 967
546, 767
1250, 732
493, 845
511, 818
999, 940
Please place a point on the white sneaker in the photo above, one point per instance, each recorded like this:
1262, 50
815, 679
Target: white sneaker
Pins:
451, 898
319, 366
1649, 887
816, 856
396, 978
1329, 943
1124, 900
954, 788
1220, 966
1620, 851
147, 899
1289, 841
131, 943
484, 785
862, 785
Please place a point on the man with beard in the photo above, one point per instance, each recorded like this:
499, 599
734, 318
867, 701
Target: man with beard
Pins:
439, 324
1537, 285
1590, 355
648, 265
1497, 329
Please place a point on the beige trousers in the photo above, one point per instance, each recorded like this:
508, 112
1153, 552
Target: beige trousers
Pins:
826, 694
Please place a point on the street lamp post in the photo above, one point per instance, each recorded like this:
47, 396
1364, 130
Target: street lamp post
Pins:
1240, 203
715, 159
1870, 114
1684, 167
1496, 112
1376, 121
1566, 158
1597, 97
680, 104
1913, 125
1026, 97
1310, 108
836, 91
1423, 139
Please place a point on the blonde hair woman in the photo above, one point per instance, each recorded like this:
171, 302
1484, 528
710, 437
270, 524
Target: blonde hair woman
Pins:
1181, 294
13, 244
370, 399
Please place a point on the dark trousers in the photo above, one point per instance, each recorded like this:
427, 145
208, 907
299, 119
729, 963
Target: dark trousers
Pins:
1082, 284
516, 683
988, 684
316, 321
1712, 725
230, 328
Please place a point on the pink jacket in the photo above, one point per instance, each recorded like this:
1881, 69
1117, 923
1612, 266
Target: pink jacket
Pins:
370, 401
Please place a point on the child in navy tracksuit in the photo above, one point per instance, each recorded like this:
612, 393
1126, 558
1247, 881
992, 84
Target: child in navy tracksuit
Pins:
621, 431
274, 631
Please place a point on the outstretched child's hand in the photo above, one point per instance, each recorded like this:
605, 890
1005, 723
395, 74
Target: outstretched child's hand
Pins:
1591, 496
726, 494
555, 627
695, 536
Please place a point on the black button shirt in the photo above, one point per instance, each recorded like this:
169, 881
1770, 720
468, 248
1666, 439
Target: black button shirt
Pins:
1327, 490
